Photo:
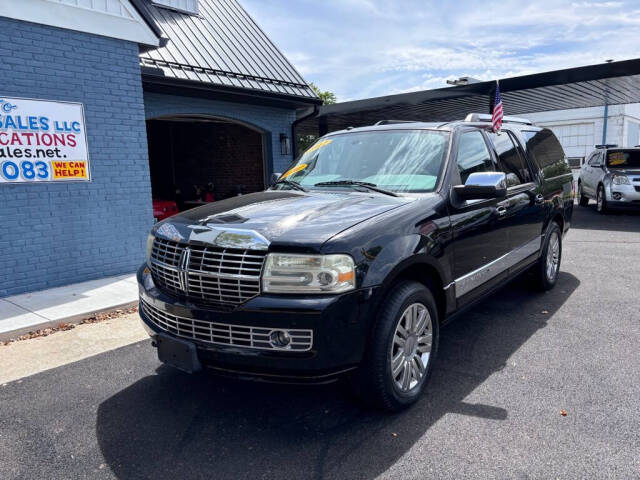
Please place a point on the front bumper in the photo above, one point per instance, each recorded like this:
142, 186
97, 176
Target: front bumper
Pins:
623, 196
340, 326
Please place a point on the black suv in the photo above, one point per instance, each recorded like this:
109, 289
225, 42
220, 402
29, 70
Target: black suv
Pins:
349, 264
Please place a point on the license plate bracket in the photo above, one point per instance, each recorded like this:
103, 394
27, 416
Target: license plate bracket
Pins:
180, 354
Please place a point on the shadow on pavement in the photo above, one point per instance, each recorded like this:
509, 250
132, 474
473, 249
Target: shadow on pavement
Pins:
588, 218
172, 425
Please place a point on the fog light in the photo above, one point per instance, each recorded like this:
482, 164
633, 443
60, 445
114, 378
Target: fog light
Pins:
279, 339
616, 195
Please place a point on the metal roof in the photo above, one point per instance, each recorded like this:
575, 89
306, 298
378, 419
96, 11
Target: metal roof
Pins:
221, 46
613, 83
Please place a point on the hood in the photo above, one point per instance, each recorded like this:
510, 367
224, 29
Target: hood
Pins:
625, 171
277, 217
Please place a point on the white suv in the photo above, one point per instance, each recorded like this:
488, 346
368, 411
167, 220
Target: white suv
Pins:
611, 176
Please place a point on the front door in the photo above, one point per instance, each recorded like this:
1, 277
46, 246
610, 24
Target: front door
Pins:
480, 239
591, 170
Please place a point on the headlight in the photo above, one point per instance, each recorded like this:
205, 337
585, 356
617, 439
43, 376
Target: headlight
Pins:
620, 180
292, 273
150, 239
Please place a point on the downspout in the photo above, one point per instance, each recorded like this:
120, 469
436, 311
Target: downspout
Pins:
294, 124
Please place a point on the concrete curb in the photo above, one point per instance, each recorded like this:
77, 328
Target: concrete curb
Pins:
28, 312
73, 319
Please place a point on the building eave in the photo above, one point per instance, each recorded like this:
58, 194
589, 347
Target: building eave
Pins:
153, 82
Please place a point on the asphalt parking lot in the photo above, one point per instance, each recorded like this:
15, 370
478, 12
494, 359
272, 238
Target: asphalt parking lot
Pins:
493, 409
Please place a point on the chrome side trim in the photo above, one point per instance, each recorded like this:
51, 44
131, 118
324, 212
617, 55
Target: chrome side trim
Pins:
474, 279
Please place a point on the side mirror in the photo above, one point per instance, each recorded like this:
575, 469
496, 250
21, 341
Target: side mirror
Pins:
482, 185
274, 178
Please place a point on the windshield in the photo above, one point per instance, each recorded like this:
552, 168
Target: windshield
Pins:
397, 160
623, 159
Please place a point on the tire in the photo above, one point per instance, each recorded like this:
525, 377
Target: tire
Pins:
601, 200
548, 266
375, 383
582, 200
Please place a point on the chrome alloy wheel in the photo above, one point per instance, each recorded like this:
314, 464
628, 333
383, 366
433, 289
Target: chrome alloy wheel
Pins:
553, 256
411, 347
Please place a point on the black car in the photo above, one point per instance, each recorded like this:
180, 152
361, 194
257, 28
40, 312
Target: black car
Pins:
351, 262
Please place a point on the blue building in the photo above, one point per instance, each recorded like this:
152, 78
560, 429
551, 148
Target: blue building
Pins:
109, 105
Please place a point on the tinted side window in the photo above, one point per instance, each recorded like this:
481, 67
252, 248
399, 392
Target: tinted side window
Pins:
511, 161
544, 147
473, 155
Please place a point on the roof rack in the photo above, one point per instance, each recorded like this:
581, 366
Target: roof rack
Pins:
485, 117
391, 122
606, 145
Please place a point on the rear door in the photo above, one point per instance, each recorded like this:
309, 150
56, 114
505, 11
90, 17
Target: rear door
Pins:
523, 209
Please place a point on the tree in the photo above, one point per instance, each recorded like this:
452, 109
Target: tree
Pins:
327, 97
304, 141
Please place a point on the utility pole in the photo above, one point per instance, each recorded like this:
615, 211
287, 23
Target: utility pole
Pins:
606, 114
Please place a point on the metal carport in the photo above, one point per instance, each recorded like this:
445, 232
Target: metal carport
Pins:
594, 85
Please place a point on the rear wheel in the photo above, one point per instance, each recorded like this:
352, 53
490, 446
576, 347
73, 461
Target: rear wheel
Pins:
402, 351
583, 201
548, 265
601, 205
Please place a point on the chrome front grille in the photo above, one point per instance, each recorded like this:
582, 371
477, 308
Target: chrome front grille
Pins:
213, 275
224, 333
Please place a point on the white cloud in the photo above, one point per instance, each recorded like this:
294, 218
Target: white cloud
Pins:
361, 48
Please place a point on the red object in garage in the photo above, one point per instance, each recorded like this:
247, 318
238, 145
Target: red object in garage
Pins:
163, 209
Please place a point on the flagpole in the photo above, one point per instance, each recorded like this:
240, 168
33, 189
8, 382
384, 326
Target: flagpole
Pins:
492, 97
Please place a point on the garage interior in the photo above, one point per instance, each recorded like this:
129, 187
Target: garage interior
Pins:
197, 159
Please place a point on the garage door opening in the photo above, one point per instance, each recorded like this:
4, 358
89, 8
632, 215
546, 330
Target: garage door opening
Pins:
196, 160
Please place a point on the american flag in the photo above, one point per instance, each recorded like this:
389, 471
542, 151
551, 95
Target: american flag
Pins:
498, 112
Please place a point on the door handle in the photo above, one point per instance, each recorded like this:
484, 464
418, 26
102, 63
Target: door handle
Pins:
502, 211
539, 199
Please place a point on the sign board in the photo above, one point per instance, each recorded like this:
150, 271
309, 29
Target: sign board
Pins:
42, 141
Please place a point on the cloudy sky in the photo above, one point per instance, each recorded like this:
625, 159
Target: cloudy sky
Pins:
365, 48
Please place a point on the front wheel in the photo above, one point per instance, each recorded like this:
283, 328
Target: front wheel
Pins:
398, 363
601, 205
548, 266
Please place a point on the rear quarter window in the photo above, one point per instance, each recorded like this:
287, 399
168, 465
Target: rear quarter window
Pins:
546, 152
545, 149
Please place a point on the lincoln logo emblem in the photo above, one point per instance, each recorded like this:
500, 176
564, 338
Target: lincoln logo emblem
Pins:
183, 266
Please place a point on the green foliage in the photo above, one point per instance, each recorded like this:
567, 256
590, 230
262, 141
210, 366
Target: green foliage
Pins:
326, 96
304, 142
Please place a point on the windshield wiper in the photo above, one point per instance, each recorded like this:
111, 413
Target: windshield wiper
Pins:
294, 185
369, 186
